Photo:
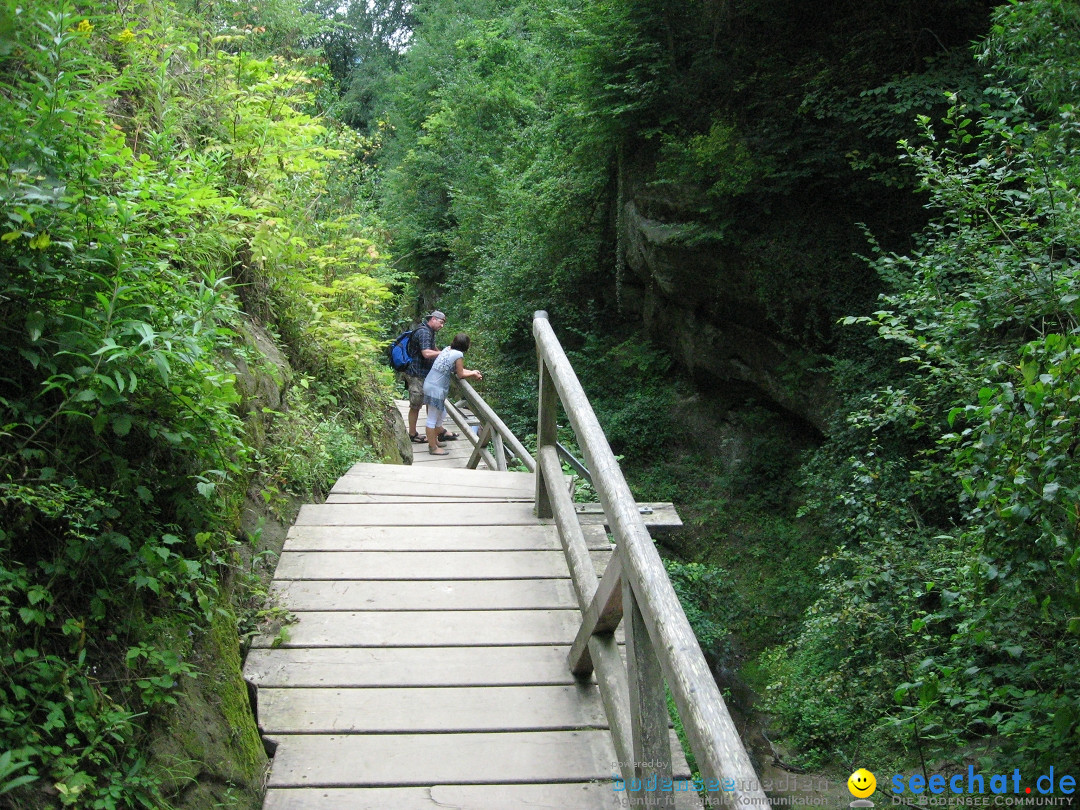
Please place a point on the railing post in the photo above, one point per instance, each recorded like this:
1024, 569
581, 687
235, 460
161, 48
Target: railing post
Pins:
648, 707
546, 429
479, 453
499, 452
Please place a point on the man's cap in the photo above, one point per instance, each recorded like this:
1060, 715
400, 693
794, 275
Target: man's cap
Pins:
436, 314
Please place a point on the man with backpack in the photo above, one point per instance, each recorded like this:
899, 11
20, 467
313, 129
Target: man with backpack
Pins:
422, 353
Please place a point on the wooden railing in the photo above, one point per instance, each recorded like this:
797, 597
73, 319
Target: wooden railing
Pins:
660, 645
493, 431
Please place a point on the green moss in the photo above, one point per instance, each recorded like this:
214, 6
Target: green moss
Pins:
207, 750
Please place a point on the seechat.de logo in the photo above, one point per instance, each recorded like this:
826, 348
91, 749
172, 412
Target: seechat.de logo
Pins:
1004, 785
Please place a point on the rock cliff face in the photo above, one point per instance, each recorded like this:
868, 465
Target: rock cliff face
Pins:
695, 297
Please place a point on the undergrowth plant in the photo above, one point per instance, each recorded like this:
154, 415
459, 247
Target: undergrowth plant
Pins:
950, 614
317, 422
157, 189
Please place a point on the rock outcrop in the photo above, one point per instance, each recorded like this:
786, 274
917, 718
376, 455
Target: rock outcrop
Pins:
694, 297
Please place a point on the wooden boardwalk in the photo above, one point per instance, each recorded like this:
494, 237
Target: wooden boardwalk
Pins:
428, 664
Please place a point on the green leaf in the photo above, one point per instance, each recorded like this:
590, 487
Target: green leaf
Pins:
40, 241
30, 616
161, 362
18, 781
35, 325
1030, 371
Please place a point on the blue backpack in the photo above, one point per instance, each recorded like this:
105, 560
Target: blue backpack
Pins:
398, 353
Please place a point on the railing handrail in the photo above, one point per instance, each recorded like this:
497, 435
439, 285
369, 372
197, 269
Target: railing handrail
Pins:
488, 416
663, 636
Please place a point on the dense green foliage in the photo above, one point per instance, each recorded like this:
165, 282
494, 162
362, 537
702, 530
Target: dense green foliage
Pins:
519, 142
518, 132
955, 486
166, 193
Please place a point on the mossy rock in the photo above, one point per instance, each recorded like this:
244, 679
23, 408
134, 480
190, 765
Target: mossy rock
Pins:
262, 375
207, 749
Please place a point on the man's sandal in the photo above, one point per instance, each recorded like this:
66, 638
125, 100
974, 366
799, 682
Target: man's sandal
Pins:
448, 437
439, 452
418, 439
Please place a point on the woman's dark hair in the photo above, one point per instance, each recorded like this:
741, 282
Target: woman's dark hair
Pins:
460, 342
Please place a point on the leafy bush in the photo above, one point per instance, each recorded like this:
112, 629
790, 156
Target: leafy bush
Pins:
705, 593
309, 450
154, 185
951, 605
630, 390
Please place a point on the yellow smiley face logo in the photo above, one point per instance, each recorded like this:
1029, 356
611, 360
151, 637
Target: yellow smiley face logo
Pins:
861, 783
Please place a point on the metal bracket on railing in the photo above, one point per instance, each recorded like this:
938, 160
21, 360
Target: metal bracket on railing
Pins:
645, 510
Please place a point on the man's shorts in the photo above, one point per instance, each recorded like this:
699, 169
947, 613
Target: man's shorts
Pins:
416, 391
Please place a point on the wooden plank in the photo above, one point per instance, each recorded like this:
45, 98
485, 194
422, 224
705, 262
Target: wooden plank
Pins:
662, 517
321, 760
449, 538
473, 497
601, 616
385, 514
456, 459
547, 435
414, 480
350, 485
415, 711
408, 666
559, 504
572, 796
417, 565
435, 594
405, 473
648, 704
422, 457
417, 628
